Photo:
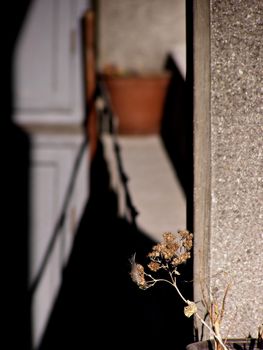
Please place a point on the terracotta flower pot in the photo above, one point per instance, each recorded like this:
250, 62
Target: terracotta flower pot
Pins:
138, 101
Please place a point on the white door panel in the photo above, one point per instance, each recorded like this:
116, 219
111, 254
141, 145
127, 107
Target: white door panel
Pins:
48, 66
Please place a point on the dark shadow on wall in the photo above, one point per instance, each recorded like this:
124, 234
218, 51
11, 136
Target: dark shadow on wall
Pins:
177, 122
175, 126
98, 303
15, 195
177, 132
177, 136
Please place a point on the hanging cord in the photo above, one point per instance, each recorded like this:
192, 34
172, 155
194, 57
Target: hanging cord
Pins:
108, 122
58, 229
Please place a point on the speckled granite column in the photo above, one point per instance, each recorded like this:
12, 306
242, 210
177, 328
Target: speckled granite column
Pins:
229, 174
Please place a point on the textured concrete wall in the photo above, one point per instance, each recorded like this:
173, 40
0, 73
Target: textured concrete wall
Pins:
232, 233
237, 159
138, 34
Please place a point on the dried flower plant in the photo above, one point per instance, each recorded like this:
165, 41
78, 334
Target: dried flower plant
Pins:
215, 310
166, 257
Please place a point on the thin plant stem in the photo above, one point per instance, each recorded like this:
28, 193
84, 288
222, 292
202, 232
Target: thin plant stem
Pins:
211, 330
180, 294
187, 302
200, 318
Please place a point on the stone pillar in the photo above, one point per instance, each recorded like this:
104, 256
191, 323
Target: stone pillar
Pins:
228, 162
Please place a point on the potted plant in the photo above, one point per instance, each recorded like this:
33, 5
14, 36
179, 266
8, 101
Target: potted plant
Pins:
137, 99
164, 261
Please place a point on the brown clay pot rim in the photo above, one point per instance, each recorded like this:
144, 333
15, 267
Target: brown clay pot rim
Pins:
137, 76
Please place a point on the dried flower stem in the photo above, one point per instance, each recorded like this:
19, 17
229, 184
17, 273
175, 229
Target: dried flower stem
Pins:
211, 330
173, 283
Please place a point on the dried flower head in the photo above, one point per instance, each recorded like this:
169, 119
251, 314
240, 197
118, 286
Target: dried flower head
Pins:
137, 273
167, 255
154, 266
172, 250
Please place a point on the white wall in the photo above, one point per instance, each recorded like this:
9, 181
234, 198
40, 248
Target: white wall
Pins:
48, 77
49, 105
138, 34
